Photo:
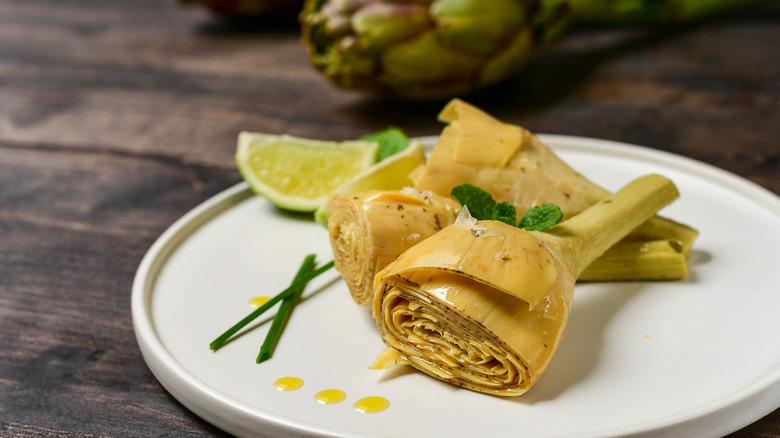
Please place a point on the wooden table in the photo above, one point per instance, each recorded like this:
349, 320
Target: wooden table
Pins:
117, 117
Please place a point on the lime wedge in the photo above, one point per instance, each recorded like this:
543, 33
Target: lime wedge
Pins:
298, 174
392, 173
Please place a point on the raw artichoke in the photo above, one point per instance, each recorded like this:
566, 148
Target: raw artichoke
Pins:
421, 48
445, 48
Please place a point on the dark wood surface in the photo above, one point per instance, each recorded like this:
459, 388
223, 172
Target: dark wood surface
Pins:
117, 117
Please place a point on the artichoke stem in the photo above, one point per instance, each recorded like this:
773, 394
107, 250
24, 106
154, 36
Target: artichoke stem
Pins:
586, 236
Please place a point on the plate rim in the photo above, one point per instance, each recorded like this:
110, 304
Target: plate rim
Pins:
763, 395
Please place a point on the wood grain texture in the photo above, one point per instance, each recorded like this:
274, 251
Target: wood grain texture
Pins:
119, 116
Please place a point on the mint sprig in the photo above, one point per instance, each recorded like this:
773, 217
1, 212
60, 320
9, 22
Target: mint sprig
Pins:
482, 206
391, 141
480, 203
541, 217
505, 212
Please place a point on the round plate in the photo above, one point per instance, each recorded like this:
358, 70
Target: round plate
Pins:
699, 357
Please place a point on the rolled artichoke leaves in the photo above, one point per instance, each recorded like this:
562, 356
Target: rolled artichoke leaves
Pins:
502, 279
513, 262
473, 126
370, 229
458, 155
472, 268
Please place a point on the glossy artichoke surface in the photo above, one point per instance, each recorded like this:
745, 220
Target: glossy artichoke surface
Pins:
423, 48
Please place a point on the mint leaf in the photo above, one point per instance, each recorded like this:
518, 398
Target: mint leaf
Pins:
506, 213
479, 202
391, 141
541, 217
482, 206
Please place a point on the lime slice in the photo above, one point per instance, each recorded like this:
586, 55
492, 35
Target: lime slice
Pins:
296, 173
392, 173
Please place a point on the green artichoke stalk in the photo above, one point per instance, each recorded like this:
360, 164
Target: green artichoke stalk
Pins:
444, 48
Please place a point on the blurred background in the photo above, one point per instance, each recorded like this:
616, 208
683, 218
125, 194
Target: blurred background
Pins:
119, 116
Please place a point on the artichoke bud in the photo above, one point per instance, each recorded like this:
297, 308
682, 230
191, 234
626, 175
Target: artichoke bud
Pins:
419, 49
552, 20
425, 58
509, 61
347, 62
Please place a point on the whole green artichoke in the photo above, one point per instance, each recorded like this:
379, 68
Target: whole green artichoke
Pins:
424, 48
445, 48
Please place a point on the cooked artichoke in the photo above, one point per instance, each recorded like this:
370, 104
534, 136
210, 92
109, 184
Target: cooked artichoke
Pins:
369, 230
515, 166
484, 305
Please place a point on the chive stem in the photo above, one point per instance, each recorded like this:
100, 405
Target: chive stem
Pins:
262, 309
285, 309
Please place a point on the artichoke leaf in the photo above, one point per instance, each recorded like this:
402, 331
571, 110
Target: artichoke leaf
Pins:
490, 253
476, 128
468, 25
532, 176
425, 59
380, 25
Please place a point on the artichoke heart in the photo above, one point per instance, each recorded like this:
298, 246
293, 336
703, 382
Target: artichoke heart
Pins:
368, 230
484, 305
471, 330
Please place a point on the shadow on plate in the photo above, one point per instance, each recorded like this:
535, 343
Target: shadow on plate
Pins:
580, 350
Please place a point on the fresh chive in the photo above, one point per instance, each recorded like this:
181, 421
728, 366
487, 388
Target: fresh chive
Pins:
284, 312
262, 309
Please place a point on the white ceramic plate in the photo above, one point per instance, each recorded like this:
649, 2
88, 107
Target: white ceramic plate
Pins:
699, 357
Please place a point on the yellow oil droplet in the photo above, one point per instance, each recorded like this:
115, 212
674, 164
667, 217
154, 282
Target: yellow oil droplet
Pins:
259, 301
330, 396
371, 405
288, 383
